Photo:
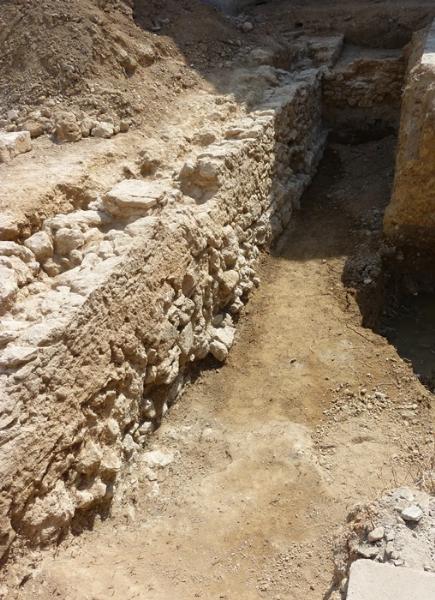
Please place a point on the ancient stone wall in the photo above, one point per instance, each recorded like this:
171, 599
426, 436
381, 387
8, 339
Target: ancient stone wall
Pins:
138, 285
410, 217
365, 86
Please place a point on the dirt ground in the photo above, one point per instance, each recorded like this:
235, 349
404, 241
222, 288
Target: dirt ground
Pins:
266, 455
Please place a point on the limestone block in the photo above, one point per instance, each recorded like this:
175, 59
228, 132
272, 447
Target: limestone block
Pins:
47, 516
8, 288
78, 219
14, 356
66, 240
103, 130
67, 128
41, 245
8, 227
14, 143
369, 580
13, 249
134, 196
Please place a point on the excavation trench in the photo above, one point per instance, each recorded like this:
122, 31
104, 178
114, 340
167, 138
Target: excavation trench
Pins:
238, 489
243, 486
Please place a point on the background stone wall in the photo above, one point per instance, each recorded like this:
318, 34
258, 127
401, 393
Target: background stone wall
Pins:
410, 217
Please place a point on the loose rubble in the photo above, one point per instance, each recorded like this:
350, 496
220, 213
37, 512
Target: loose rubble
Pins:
397, 529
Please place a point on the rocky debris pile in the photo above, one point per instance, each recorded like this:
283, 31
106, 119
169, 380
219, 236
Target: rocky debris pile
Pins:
82, 68
347, 402
398, 529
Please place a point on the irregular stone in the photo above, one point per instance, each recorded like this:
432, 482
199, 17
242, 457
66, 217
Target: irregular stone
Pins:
262, 56
145, 227
35, 128
129, 445
247, 26
8, 288
224, 335
185, 341
78, 219
14, 143
41, 245
146, 54
103, 130
24, 272
15, 356
403, 493
133, 196
157, 458
368, 551
229, 280
8, 227
66, 240
46, 517
369, 580
89, 458
10, 329
111, 463
218, 350
13, 114
112, 429
376, 534
67, 129
412, 514
90, 496
46, 333
13, 249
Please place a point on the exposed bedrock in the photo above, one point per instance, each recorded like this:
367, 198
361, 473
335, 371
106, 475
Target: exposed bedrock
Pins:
105, 308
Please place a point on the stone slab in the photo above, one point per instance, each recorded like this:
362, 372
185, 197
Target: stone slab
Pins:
374, 581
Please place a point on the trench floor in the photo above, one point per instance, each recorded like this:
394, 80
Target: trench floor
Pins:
269, 452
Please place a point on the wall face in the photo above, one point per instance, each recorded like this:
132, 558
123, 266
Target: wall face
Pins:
410, 217
364, 88
92, 359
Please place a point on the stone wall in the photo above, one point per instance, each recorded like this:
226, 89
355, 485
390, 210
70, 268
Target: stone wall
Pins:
104, 309
410, 217
364, 88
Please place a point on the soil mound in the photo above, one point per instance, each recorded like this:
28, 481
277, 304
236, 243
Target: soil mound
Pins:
122, 59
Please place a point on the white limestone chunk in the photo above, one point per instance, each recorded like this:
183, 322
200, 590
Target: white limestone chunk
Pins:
15, 356
14, 143
134, 196
41, 245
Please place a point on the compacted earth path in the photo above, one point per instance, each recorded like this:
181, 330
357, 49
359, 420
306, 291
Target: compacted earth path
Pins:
245, 485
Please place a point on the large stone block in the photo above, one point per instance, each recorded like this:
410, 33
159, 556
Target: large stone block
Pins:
373, 581
410, 217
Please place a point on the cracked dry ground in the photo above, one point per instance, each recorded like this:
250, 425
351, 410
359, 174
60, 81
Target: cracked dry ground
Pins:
272, 450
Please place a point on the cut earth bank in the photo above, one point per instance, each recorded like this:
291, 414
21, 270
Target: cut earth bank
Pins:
108, 305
